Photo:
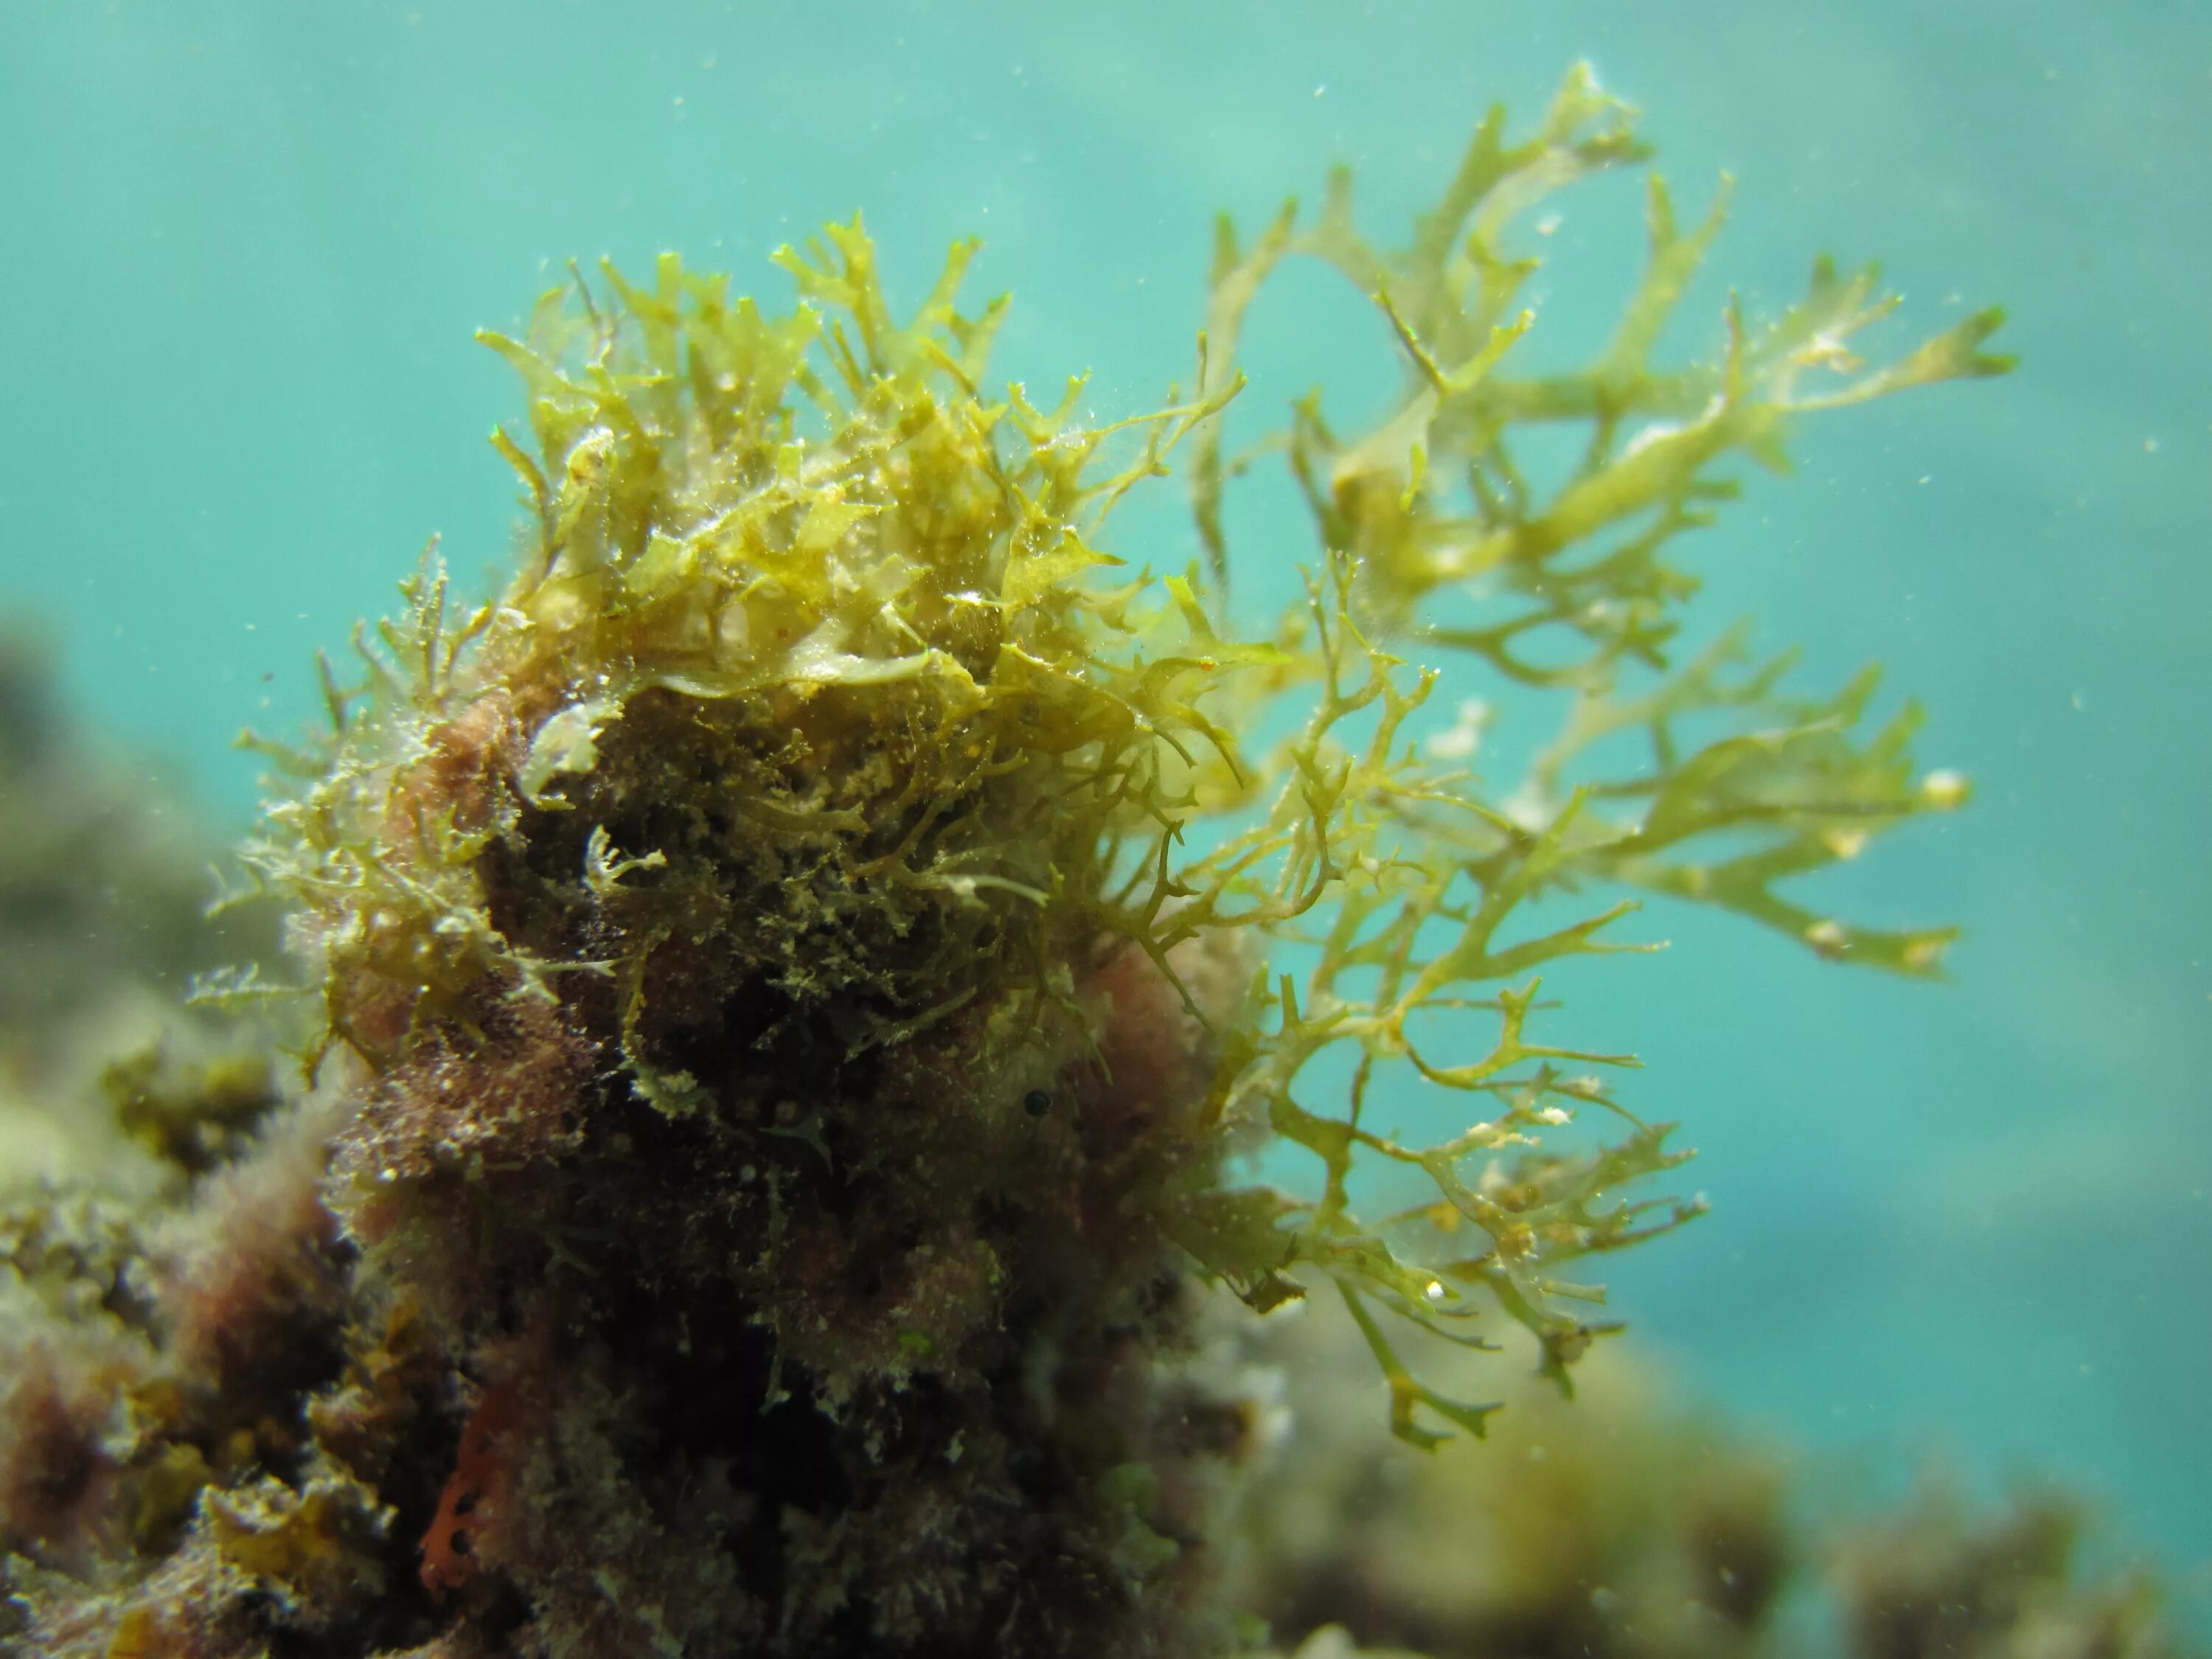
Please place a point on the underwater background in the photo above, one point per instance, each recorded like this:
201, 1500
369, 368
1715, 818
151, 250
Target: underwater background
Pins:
1972, 1222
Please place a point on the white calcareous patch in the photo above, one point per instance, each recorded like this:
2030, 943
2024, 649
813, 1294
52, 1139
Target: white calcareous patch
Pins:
567, 743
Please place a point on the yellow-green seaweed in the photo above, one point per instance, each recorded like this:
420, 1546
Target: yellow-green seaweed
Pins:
822, 518
793, 974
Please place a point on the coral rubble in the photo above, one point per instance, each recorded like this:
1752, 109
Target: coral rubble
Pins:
104, 871
1620, 1527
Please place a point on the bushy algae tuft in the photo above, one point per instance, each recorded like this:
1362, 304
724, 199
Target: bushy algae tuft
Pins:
795, 972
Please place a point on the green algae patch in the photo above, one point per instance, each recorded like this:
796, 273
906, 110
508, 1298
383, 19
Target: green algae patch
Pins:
793, 977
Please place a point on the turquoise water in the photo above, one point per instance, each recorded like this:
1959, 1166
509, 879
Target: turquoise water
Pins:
247, 245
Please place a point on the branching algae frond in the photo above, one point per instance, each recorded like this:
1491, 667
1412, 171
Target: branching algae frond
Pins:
794, 971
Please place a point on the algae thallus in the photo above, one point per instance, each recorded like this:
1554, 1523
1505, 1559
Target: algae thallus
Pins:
795, 973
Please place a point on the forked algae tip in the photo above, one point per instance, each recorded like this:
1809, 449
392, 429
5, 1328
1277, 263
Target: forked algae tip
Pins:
795, 975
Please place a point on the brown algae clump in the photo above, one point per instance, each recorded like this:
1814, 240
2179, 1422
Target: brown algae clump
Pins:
794, 971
